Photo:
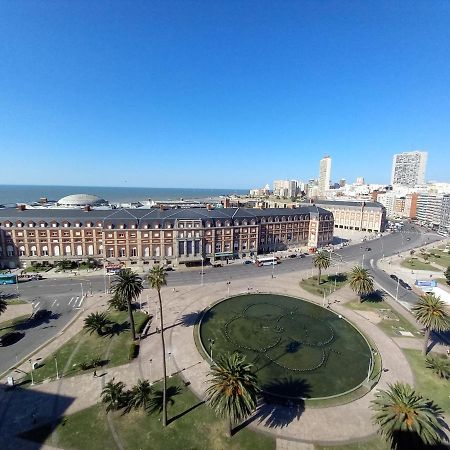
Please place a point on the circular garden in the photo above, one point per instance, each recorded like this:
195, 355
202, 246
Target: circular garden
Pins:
298, 349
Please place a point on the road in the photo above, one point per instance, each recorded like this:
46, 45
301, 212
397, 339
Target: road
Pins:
63, 296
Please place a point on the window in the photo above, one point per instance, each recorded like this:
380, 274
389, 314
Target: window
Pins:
56, 251
68, 250
21, 251
134, 251
79, 250
146, 252
66, 224
33, 250
110, 253
54, 224
19, 224
122, 252
44, 250
31, 225
90, 250
78, 224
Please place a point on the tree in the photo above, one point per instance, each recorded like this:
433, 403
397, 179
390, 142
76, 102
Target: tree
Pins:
140, 395
321, 261
447, 275
439, 365
96, 322
157, 279
128, 287
406, 419
426, 257
64, 264
3, 305
233, 390
431, 313
113, 395
361, 282
118, 303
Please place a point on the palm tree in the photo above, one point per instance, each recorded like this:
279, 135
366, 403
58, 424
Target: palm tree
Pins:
233, 390
361, 282
321, 261
430, 312
64, 264
128, 286
113, 395
3, 305
407, 419
157, 279
140, 395
439, 364
96, 322
118, 303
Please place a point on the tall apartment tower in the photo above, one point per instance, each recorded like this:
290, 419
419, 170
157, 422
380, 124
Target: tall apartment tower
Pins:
408, 168
324, 175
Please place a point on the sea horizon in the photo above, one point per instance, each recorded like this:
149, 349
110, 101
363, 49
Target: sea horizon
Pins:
28, 193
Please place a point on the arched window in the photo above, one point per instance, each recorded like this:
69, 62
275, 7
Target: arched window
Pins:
79, 250
44, 250
10, 250
169, 251
110, 253
56, 251
134, 251
33, 251
90, 249
100, 249
21, 251
157, 251
146, 252
68, 250
122, 252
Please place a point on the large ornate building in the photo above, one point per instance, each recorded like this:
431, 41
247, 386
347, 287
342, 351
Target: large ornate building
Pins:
135, 236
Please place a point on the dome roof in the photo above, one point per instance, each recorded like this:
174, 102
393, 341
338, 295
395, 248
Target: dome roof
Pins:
81, 200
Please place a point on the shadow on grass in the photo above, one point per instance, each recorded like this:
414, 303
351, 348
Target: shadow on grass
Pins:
375, 297
186, 411
116, 329
339, 278
156, 403
404, 440
193, 318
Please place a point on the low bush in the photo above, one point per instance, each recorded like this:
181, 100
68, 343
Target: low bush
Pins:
141, 327
134, 351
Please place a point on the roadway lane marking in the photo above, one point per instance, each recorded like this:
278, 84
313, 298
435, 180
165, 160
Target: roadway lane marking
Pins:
53, 304
81, 301
37, 304
70, 301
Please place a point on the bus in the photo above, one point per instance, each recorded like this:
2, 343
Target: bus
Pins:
8, 278
266, 261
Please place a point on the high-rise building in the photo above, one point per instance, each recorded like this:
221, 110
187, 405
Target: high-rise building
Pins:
285, 188
434, 210
342, 182
360, 181
408, 168
324, 175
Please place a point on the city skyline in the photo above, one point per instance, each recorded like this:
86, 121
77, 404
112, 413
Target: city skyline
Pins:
154, 95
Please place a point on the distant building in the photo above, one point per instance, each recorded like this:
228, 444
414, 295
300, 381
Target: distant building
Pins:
360, 181
342, 182
408, 168
285, 188
434, 211
324, 175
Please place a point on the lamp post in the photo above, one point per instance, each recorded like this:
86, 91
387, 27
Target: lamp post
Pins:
396, 294
32, 379
56, 365
202, 270
228, 286
211, 343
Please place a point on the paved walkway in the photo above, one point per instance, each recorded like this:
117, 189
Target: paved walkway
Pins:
44, 402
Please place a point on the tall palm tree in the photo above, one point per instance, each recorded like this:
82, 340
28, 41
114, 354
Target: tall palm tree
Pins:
321, 261
118, 303
113, 395
96, 322
3, 305
233, 390
361, 282
157, 279
407, 419
128, 286
431, 313
140, 395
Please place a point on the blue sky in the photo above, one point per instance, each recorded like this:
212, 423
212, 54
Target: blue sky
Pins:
220, 93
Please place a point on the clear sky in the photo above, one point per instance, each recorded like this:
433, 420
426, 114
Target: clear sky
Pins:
220, 93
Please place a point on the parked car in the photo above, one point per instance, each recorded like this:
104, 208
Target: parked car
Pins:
294, 255
217, 264
404, 284
169, 269
368, 249
394, 277
247, 261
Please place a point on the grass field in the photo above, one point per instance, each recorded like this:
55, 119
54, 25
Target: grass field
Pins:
113, 349
192, 425
328, 284
427, 383
12, 325
439, 257
417, 264
391, 321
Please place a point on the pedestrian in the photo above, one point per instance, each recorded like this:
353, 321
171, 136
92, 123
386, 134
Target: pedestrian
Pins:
448, 352
174, 290
95, 373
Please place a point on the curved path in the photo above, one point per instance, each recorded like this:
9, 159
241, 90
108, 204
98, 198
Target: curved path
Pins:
343, 423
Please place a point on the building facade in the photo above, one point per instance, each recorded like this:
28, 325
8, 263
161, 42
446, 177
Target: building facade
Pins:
134, 236
434, 211
408, 169
324, 175
352, 215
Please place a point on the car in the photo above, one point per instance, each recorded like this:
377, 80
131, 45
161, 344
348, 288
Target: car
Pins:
302, 255
408, 239
247, 261
368, 249
293, 256
394, 277
404, 284
217, 264
169, 269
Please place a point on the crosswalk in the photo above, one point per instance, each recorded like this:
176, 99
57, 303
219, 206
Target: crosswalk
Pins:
76, 302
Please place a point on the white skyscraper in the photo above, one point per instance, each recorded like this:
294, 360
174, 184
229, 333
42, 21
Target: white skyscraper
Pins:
324, 175
408, 168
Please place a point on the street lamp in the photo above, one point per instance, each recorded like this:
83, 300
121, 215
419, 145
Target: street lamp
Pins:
228, 286
202, 270
32, 379
211, 343
56, 365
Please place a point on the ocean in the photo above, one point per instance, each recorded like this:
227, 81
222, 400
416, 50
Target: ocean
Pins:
11, 194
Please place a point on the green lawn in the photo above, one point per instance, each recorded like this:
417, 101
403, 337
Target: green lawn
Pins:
392, 322
443, 281
427, 383
112, 348
375, 443
439, 257
10, 325
193, 426
417, 264
328, 283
